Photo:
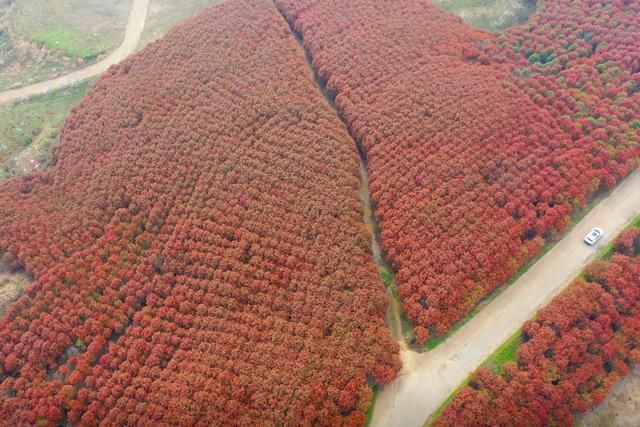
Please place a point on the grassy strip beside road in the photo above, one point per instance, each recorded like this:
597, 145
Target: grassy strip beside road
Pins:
436, 414
606, 251
369, 412
505, 353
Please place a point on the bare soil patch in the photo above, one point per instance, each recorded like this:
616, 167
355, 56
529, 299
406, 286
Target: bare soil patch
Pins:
621, 408
11, 287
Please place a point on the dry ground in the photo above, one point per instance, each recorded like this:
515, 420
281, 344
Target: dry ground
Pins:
164, 14
621, 408
11, 286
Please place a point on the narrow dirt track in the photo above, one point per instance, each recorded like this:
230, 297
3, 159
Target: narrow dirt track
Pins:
427, 379
135, 25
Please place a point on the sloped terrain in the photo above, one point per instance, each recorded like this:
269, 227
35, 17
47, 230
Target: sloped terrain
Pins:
198, 247
480, 147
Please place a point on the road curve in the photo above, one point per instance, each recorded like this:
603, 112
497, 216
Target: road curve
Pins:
135, 25
427, 379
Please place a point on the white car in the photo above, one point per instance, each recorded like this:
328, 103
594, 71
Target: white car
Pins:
593, 236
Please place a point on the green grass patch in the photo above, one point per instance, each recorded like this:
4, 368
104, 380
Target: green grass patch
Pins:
607, 250
386, 278
436, 414
75, 28
35, 123
68, 40
490, 14
369, 412
505, 353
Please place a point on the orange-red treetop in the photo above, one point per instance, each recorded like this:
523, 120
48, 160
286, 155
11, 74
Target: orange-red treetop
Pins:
198, 246
479, 145
573, 352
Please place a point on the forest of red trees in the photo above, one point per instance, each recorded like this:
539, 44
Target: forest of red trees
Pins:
573, 352
198, 248
480, 146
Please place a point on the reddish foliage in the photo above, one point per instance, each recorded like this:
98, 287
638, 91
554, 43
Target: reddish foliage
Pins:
198, 247
574, 351
479, 146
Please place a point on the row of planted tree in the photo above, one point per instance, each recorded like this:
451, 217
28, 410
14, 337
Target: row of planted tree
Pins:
198, 248
572, 353
480, 146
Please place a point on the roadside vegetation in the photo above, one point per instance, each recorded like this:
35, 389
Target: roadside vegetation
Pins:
29, 128
577, 216
42, 39
164, 14
507, 352
490, 14
584, 339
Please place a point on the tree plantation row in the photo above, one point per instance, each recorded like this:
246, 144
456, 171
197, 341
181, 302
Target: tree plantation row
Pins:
480, 146
198, 248
572, 353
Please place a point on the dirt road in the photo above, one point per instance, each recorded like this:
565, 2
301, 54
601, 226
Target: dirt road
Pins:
427, 379
135, 25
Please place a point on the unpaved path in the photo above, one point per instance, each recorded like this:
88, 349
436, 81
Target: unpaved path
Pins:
427, 379
621, 408
135, 25
384, 267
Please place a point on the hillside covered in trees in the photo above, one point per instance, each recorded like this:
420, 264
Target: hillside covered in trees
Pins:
198, 248
479, 146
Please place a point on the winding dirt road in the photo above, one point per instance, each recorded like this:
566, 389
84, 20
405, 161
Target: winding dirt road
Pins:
135, 25
427, 379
